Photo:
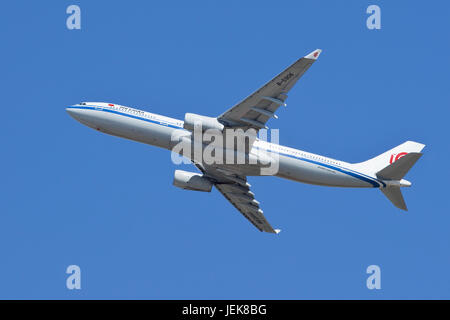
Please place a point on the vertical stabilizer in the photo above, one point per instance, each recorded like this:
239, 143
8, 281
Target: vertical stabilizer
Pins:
378, 163
393, 173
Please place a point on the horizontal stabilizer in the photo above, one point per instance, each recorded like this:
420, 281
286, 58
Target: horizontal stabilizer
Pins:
395, 196
399, 168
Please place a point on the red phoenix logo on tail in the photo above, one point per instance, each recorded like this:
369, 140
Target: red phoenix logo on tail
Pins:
395, 157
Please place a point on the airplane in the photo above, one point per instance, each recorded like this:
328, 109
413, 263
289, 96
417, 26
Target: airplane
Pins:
384, 172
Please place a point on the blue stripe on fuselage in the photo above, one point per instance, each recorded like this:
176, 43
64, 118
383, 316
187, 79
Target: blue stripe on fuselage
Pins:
99, 108
374, 182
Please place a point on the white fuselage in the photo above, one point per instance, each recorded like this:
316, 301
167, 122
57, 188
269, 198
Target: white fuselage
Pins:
158, 130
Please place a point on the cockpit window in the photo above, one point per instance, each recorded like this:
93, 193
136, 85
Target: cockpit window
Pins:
82, 103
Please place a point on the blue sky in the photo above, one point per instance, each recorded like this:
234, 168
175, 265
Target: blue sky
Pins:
71, 195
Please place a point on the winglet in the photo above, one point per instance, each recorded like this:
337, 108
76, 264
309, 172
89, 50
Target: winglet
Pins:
277, 231
314, 55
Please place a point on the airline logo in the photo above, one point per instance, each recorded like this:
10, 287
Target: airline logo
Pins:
395, 157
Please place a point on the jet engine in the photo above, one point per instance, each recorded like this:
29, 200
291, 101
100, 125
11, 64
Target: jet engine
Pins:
191, 119
191, 181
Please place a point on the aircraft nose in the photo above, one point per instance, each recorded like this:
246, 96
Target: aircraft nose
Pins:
69, 110
74, 112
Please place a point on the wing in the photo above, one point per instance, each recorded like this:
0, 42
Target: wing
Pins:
243, 200
255, 110
236, 189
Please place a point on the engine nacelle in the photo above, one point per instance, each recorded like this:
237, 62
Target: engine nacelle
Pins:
191, 119
191, 181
